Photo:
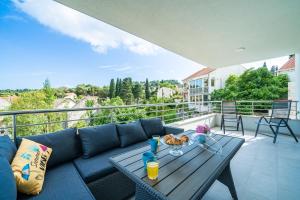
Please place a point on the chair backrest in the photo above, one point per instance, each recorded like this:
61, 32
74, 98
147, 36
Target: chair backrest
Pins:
281, 110
229, 109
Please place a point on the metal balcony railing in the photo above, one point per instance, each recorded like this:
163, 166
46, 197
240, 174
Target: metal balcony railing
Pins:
31, 122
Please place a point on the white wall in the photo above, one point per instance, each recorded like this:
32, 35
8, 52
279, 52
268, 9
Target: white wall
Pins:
222, 74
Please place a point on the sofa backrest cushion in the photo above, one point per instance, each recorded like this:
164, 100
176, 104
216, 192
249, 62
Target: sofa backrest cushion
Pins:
65, 144
153, 126
97, 139
8, 148
131, 133
8, 189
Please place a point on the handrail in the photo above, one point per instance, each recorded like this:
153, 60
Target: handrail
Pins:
169, 112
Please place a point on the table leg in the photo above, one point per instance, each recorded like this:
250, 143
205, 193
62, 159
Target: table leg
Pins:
226, 178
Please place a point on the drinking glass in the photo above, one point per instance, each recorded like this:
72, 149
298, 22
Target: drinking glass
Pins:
156, 137
152, 169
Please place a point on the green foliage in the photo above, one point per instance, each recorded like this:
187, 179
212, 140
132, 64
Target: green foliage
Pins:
112, 88
49, 92
137, 91
147, 90
117, 114
253, 84
167, 85
126, 91
33, 101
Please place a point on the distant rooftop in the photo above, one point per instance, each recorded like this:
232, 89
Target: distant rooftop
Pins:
201, 72
289, 65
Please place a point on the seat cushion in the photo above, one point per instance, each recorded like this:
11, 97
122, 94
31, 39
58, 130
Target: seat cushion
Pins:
153, 126
62, 182
8, 148
131, 133
8, 189
97, 139
99, 166
65, 145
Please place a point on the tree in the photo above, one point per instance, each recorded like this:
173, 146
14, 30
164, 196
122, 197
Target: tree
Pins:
81, 89
126, 91
49, 92
265, 65
274, 70
32, 101
118, 115
253, 84
147, 90
118, 87
112, 88
137, 91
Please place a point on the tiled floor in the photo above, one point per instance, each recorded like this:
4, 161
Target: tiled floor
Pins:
261, 169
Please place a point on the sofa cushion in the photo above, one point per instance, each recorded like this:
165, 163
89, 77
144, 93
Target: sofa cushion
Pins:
62, 182
8, 189
65, 145
153, 126
8, 148
99, 166
131, 133
97, 139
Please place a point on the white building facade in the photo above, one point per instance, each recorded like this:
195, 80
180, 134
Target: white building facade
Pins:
289, 69
201, 84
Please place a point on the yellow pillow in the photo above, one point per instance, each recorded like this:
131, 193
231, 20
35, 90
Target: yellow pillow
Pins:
29, 166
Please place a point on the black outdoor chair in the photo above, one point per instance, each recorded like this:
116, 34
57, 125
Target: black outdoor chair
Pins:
279, 118
231, 115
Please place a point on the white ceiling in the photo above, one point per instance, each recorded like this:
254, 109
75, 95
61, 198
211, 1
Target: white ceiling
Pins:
206, 31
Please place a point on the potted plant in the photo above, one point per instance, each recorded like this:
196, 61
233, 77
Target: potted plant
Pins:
202, 131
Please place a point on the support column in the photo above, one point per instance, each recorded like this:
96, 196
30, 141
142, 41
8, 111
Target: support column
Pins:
297, 79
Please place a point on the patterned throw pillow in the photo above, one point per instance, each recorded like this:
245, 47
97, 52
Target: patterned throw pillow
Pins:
29, 166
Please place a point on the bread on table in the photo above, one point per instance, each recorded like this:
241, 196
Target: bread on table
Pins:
171, 140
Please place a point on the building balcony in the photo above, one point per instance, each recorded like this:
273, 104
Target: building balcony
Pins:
260, 169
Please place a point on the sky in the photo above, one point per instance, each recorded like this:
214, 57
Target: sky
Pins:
42, 39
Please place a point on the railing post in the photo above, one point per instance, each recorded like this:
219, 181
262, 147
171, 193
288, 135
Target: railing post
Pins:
65, 123
15, 128
112, 116
252, 107
156, 113
221, 110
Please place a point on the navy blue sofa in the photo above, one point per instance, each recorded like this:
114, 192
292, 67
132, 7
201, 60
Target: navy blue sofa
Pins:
79, 166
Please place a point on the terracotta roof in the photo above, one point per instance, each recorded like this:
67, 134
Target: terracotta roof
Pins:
289, 65
201, 72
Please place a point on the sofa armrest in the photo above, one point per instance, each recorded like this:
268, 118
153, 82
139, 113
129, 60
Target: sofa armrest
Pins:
173, 130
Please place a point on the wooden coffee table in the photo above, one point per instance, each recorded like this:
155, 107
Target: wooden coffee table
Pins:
184, 177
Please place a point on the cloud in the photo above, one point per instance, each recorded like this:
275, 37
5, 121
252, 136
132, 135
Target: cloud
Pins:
122, 69
105, 66
13, 18
99, 35
116, 68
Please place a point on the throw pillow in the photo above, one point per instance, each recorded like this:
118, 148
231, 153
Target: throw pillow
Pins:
153, 126
65, 145
29, 166
97, 139
131, 133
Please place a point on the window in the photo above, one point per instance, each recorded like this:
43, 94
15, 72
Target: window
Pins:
212, 82
206, 82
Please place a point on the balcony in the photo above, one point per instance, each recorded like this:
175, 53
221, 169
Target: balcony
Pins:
261, 169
